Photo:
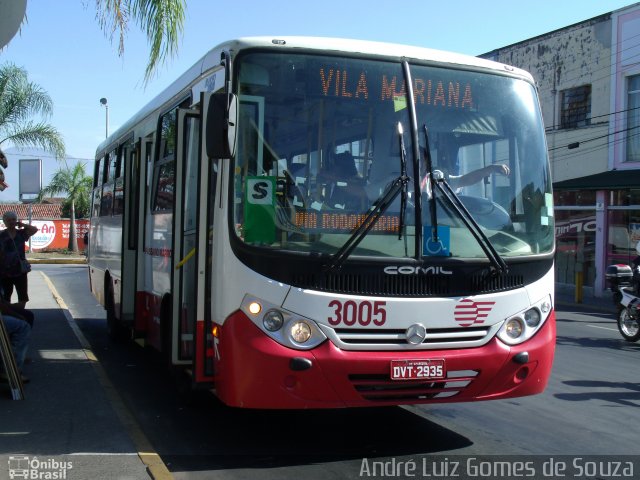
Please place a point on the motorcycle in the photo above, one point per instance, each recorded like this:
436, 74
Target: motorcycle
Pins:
625, 285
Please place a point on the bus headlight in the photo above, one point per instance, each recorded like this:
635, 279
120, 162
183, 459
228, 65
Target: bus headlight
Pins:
300, 332
523, 325
286, 328
273, 320
532, 317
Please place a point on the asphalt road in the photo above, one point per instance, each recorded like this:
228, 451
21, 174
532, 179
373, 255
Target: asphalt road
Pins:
590, 407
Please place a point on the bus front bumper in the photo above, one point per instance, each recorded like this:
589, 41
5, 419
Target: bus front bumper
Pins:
254, 371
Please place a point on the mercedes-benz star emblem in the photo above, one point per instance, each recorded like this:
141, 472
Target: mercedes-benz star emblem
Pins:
416, 334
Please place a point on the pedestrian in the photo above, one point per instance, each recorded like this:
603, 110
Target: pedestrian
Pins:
14, 265
19, 332
14, 310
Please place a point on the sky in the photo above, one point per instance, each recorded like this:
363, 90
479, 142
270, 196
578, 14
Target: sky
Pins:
64, 50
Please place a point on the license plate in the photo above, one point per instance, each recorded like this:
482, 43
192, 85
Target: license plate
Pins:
433, 369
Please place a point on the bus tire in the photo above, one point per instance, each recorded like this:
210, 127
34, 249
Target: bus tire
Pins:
114, 327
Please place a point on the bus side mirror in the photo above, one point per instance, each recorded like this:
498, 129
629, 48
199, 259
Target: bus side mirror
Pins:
222, 118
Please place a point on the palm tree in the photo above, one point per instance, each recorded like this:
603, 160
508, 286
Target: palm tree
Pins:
21, 101
76, 184
161, 20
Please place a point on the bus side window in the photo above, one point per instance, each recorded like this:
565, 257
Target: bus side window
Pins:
118, 189
164, 187
164, 169
106, 204
98, 180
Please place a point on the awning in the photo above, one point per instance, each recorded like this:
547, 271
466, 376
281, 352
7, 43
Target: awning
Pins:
611, 180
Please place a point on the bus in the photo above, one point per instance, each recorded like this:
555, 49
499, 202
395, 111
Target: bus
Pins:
289, 224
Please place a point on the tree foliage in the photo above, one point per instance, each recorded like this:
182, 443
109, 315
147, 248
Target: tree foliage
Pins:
24, 108
161, 20
77, 185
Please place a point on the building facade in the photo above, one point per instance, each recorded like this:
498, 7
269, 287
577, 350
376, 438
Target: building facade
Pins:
588, 77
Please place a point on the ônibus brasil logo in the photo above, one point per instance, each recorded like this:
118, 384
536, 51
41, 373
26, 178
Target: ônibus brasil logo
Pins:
21, 466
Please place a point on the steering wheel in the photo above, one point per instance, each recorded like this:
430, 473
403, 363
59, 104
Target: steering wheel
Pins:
487, 213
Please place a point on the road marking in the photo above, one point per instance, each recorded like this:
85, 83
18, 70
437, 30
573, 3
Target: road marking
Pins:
603, 328
155, 466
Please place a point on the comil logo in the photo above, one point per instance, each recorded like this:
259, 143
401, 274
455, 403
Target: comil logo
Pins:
34, 468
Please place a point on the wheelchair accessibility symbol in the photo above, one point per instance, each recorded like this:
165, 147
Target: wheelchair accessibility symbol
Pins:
439, 248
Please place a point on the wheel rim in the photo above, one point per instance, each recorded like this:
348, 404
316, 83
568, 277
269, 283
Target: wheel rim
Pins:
628, 325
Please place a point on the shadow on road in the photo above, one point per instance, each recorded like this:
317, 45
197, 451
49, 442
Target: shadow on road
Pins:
259, 439
623, 393
199, 433
595, 342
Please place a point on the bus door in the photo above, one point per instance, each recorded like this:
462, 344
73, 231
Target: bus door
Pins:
205, 343
185, 236
144, 155
129, 190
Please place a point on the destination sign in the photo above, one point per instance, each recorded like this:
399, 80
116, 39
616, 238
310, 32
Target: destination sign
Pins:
346, 83
312, 221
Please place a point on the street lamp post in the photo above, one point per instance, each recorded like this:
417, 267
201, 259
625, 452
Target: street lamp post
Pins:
103, 101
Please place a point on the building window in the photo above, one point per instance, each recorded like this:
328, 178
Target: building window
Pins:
633, 119
576, 107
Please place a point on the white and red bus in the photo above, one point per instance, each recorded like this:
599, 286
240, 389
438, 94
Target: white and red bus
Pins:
290, 222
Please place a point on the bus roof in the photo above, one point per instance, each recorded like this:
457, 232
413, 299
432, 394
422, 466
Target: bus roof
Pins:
328, 45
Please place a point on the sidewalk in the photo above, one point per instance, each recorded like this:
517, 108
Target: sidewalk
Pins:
565, 298
67, 423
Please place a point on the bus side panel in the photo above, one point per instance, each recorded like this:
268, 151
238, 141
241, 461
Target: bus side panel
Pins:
147, 321
157, 269
96, 277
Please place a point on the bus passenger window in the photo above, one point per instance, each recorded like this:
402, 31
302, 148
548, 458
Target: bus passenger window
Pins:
118, 192
106, 202
164, 188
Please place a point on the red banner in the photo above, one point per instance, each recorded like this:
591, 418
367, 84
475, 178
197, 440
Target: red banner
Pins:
54, 234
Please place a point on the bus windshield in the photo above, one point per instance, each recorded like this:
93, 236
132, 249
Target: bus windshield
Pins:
323, 140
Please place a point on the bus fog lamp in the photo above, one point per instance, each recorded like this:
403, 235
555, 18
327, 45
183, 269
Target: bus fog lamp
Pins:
273, 320
255, 308
300, 332
532, 317
514, 328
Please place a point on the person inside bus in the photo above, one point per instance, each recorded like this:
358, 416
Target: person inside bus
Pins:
343, 187
459, 181
14, 267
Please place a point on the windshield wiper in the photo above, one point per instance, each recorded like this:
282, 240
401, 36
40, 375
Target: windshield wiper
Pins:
404, 180
399, 185
439, 182
431, 192
498, 263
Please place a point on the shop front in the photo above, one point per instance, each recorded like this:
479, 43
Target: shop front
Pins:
597, 224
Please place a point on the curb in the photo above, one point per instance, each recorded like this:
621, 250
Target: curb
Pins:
155, 466
73, 261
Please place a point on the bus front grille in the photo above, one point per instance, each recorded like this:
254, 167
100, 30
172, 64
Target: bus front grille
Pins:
441, 337
405, 285
380, 388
